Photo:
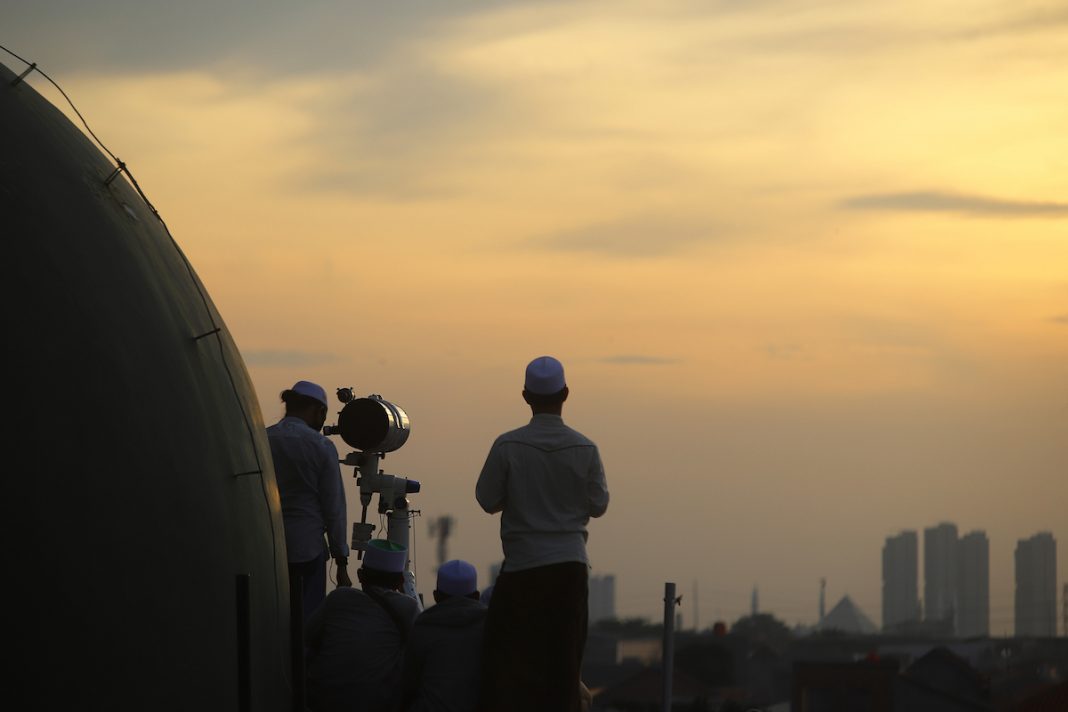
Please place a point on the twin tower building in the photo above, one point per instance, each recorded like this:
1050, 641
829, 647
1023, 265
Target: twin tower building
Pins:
956, 584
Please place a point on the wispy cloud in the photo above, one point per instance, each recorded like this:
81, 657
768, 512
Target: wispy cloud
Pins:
381, 138
286, 358
929, 201
786, 352
636, 237
283, 37
1043, 19
637, 360
1060, 319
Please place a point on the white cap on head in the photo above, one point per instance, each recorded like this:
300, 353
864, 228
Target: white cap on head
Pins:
311, 390
545, 376
457, 578
384, 555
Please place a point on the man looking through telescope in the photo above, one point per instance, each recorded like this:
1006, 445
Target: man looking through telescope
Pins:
356, 638
313, 496
546, 480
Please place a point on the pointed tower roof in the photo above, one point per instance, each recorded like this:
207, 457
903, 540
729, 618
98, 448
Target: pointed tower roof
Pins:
847, 617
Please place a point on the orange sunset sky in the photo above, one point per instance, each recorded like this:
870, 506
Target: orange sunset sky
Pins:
806, 263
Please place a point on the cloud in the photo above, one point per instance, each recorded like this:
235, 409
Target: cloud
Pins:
391, 135
645, 236
637, 360
1043, 19
1060, 319
268, 357
785, 352
275, 36
938, 202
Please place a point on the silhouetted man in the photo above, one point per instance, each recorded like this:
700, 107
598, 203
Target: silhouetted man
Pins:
356, 638
546, 480
313, 496
442, 664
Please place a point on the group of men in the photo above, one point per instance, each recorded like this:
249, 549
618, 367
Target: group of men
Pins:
374, 648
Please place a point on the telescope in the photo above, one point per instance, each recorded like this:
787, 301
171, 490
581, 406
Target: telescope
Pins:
370, 424
374, 427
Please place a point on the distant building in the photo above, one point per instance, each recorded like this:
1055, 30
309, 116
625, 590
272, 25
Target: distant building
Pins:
973, 585
901, 603
846, 617
1036, 586
602, 598
940, 574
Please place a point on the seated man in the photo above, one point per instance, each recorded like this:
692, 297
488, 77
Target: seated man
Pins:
356, 638
443, 661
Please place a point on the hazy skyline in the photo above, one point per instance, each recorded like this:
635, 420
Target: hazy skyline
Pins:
806, 263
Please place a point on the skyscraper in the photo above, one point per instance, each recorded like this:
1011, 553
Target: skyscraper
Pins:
602, 599
1036, 585
973, 585
940, 574
901, 603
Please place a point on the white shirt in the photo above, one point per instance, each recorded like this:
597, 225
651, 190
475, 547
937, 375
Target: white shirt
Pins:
309, 483
546, 480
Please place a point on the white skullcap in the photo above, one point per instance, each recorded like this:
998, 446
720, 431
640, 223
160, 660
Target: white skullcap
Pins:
383, 555
311, 390
545, 376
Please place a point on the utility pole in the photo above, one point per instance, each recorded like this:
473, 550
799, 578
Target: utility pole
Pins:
696, 622
670, 601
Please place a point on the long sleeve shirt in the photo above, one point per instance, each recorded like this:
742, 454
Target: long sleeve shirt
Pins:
546, 480
309, 484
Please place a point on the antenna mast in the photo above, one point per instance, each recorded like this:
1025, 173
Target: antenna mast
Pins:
441, 528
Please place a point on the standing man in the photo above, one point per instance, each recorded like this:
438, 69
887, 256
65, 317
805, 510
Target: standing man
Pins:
313, 497
546, 480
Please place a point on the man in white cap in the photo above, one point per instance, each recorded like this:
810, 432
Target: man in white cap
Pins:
356, 639
442, 664
313, 496
546, 480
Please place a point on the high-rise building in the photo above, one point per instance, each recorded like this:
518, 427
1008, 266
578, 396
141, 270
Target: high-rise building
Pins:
940, 574
602, 598
973, 585
1064, 611
1036, 585
901, 603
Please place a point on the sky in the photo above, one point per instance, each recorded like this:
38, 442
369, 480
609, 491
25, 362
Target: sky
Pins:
805, 262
